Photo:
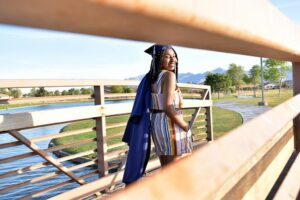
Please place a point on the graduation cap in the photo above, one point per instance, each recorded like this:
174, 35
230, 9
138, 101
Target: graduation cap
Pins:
158, 49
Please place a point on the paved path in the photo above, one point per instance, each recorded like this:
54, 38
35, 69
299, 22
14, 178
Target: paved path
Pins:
247, 112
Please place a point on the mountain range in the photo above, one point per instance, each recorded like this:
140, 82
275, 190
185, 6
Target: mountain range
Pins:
199, 77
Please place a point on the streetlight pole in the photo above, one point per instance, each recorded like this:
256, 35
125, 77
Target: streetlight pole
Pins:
262, 103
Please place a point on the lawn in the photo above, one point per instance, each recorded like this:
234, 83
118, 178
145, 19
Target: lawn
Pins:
223, 122
271, 97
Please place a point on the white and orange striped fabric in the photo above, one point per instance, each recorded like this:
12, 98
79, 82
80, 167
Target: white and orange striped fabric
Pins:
168, 137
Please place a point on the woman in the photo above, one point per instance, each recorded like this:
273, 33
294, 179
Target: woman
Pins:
158, 93
170, 133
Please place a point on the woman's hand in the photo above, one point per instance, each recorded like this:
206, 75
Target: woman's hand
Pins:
186, 127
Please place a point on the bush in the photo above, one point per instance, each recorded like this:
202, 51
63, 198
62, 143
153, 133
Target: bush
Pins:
117, 89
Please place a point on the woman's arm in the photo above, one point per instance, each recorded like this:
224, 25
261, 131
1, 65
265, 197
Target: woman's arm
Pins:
169, 86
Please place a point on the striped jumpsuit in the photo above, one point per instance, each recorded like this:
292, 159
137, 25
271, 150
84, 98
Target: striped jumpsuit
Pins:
168, 137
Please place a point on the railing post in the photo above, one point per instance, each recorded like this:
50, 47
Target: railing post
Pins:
209, 120
101, 132
296, 86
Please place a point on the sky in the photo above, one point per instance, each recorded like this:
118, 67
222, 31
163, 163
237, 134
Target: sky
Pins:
27, 53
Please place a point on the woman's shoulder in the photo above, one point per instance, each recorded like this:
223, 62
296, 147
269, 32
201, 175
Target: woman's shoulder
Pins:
169, 75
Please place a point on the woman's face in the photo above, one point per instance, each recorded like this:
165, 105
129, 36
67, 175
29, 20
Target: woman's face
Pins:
169, 60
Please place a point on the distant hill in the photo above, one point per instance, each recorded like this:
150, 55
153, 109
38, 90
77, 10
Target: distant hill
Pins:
189, 77
200, 77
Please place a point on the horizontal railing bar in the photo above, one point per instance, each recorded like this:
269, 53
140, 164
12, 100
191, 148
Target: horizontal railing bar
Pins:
100, 184
191, 115
258, 183
92, 188
46, 176
199, 137
54, 187
116, 125
224, 169
114, 135
201, 120
200, 127
28, 83
290, 187
197, 103
79, 142
116, 145
62, 134
77, 155
199, 134
48, 99
119, 95
198, 24
51, 149
34, 180
91, 162
47, 117
10, 144
23, 170
115, 154
193, 86
17, 157
43, 164
56, 116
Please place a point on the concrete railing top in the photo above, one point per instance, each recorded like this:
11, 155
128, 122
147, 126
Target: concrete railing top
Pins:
251, 27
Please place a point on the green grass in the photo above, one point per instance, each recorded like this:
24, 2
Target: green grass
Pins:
223, 122
271, 97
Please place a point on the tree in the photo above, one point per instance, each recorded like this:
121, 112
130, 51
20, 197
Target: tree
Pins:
254, 77
77, 92
236, 74
275, 71
117, 89
16, 93
32, 92
71, 91
50, 93
64, 93
56, 93
41, 92
218, 82
128, 89
3, 91
86, 91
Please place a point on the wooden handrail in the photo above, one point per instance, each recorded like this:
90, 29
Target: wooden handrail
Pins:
290, 188
54, 116
13, 123
214, 25
61, 83
247, 143
268, 134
